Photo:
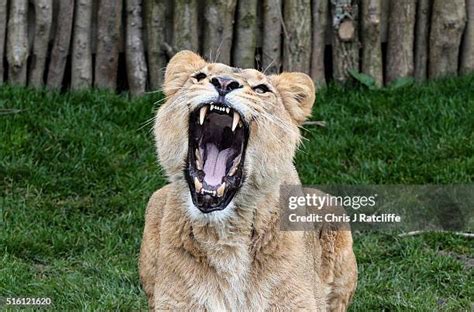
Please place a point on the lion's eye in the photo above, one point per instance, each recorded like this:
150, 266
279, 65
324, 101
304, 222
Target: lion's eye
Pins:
200, 76
261, 89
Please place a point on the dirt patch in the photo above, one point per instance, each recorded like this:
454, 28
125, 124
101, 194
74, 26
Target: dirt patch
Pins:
467, 261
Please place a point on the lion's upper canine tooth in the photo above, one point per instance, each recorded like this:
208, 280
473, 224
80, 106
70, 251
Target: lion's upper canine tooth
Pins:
197, 185
235, 121
202, 114
212, 107
220, 190
227, 110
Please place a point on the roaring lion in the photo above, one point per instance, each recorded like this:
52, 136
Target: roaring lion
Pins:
226, 138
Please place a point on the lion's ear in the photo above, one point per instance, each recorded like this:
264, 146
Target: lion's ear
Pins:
297, 92
181, 65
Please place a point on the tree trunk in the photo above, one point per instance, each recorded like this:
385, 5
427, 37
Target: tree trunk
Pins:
185, 25
108, 44
371, 40
447, 26
297, 35
62, 42
345, 39
218, 30
43, 20
271, 43
17, 42
401, 32
81, 67
245, 34
155, 30
423, 13
320, 20
467, 54
3, 28
134, 48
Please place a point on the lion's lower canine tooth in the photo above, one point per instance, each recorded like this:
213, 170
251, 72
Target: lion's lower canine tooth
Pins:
202, 114
235, 121
197, 185
220, 190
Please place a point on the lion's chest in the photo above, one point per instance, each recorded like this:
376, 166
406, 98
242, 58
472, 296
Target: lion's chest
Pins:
229, 284
223, 281
232, 281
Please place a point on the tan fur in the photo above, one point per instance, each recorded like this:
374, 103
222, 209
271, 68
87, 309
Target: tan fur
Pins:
238, 259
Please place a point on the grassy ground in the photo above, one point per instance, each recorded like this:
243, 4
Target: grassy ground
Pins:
76, 171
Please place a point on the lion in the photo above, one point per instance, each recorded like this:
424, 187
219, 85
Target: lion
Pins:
226, 138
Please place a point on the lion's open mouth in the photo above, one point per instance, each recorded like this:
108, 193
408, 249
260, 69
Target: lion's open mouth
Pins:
217, 141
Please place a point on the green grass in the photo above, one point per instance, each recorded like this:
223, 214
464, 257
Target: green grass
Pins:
76, 171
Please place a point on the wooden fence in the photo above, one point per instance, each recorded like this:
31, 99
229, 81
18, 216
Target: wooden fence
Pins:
122, 45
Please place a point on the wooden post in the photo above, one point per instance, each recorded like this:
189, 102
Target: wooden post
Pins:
155, 13
43, 20
218, 30
17, 42
61, 44
423, 15
271, 43
371, 40
185, 25
401, 32
320, 20
108, 44
345, 38
3, 28
467, 53
81, 67
297, 35
447, 25
384, 20
134, 48
245, 34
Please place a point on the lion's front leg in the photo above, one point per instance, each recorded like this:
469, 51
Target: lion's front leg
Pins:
148, 265
338, 268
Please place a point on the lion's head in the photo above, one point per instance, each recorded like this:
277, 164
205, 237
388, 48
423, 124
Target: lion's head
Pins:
226, 133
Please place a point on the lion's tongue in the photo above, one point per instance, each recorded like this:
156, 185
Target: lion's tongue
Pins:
215, 165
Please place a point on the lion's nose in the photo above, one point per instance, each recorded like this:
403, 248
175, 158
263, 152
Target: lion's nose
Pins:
225, 85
